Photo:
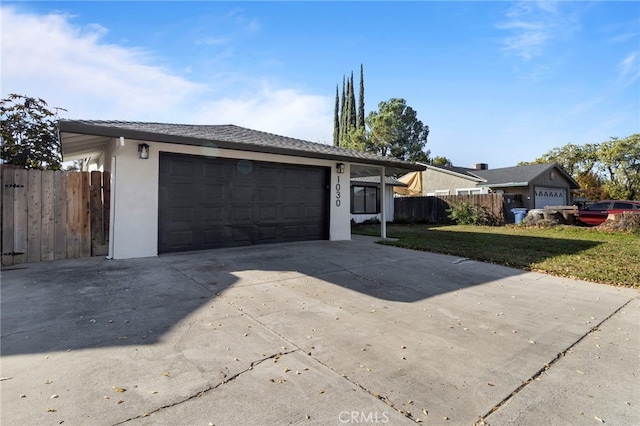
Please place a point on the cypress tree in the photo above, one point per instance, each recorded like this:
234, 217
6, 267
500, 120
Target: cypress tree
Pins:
360, 123
336, 121
352, 105
343, 109
347, 115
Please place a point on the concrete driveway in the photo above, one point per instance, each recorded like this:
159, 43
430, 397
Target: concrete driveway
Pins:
313, 333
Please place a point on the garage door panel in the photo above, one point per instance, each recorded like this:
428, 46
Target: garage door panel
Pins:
212, 170
182, 167
241, 193
181, 238
241, 214
184, 214
213, 237
213, 215
267, 233
241, 235
268, 173
267, 213
212, 191
213, 202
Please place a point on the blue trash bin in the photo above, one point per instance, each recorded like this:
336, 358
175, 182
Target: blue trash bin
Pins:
519, 213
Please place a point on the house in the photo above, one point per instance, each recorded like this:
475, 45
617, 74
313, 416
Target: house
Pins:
179, 187
532, 186
365, 198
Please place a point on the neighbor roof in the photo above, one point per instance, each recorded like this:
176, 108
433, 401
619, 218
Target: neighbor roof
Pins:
519, 175
82, 137
506, 176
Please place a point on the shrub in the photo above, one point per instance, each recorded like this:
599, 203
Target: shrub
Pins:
402, 219
463, 213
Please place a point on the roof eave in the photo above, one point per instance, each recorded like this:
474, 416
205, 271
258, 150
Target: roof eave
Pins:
72, 127
503, 185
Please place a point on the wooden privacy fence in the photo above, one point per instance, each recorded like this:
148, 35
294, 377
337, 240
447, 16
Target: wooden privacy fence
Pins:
50, 215
434, 209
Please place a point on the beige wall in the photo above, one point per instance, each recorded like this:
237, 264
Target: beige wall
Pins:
134, 188
433, 181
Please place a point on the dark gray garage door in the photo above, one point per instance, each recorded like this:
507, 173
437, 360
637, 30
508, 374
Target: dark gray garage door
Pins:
210, 202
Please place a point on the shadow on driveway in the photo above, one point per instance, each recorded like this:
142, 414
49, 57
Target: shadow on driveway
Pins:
88, 303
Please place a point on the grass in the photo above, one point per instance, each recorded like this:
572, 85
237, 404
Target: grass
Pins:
566, 251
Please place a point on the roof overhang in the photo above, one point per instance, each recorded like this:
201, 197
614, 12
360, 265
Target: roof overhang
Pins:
81, 140
503, 185
76, 146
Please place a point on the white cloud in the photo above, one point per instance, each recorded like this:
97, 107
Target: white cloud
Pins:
283, 111
49, 57
533, 26
629, 69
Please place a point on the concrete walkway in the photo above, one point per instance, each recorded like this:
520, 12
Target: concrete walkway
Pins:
315, 333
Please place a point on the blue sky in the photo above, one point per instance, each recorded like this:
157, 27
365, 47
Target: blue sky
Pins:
496, 82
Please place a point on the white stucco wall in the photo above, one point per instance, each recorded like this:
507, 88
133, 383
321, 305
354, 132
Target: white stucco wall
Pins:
134, 183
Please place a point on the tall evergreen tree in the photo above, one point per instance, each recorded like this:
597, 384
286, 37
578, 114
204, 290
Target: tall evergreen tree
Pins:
360, 123
352, 105
349, 117
343, 108
336, 121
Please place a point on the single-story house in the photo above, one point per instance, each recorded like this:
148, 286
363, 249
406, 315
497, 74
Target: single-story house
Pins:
532, 186
365, 198
180, 187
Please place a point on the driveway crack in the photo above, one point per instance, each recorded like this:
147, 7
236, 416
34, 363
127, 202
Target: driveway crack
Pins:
482, 420
209, 388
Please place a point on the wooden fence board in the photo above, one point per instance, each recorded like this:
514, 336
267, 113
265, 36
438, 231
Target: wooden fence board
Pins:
60, 221
21, 216
47, 243
434, 209
46, 215
34, 215
74, 203
85, 215
7, 215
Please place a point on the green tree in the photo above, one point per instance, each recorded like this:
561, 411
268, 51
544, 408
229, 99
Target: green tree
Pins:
29, 133
343, 110
619, 160
441, 161
347, 115
352, 106
356, 139
360, 122
395, 131
336, 120
609, 169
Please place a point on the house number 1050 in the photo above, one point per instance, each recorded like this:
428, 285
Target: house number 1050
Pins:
338, 192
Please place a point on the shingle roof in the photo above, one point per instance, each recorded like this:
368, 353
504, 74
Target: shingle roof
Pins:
513, 174
225, 136
521, 175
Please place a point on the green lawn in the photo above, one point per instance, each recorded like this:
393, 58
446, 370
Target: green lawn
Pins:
575, 252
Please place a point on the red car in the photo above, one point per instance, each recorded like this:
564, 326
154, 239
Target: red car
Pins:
597, 213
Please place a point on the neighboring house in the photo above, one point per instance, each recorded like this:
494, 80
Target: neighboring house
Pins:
532, 186
177, 187
366, 200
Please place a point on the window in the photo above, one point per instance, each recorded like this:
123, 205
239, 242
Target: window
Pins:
365, 200
598, 206
622, 206
442, 192
468, 191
